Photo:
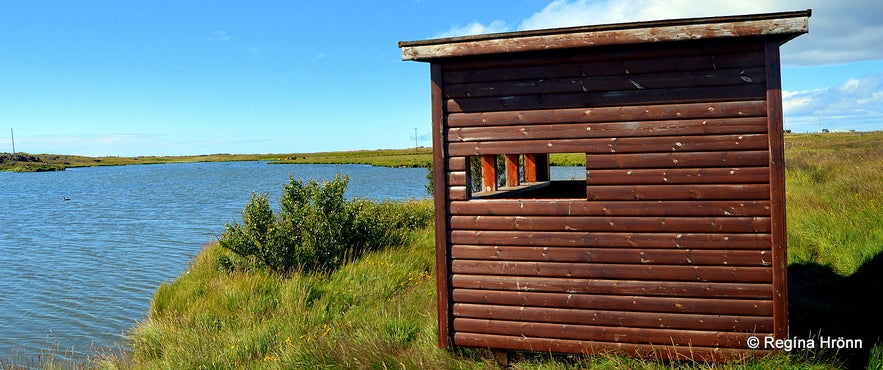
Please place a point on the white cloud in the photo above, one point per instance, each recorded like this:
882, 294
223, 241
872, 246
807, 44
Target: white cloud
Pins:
566, 13
474, 28
856, 104
219, 36
840, 31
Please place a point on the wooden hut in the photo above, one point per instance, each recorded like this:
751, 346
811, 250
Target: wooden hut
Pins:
672, 246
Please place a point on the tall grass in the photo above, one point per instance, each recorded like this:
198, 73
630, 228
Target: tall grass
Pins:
415, 157
834, 185
373, 312
378, 311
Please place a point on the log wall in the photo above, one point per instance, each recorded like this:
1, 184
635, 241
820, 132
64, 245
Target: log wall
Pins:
671, 246
676, 248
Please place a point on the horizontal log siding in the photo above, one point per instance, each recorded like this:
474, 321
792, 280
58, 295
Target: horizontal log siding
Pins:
671, 247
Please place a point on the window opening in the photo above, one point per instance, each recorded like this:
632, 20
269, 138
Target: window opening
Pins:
523, 176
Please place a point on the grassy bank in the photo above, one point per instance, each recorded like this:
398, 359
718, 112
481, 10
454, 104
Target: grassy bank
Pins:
25, 162
379, 311
376, 312
414, 157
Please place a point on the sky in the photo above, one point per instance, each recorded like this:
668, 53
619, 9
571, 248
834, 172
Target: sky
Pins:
184, 77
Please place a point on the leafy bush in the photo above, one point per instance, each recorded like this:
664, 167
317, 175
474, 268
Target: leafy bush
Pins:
317, 228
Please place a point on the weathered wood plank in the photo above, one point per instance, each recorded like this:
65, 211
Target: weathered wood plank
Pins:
580, 207
755, 158
576, 83
614, 255
747, 324
656, 144
597, 65
443, 307
652, 336
609, 98
660, 176
456, 193
777, 189
457, 178
613, 240
737, 53
748, 125
614, 287
614, 224
704, 306
636, 113
636, 33
730, 274
457, 164
678, 192
733, 142
685, 353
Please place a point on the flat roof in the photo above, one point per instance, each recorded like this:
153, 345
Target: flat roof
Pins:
784, 25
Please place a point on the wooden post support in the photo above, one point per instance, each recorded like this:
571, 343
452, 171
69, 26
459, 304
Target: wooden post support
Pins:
530, 168
512, 170
502, 358
489, 172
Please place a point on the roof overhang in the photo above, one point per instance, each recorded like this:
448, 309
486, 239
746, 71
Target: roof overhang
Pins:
783, 26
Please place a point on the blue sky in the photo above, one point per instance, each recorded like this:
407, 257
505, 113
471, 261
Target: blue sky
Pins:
199, 77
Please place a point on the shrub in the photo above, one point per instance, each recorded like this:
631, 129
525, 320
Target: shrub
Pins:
317, 228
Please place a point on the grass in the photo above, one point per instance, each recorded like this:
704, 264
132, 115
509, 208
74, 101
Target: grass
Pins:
834, 185
376, 312
373, 312
24, 162
414, 157
834, 189
379, 311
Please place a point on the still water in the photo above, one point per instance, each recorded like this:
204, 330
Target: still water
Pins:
77, 274
82, 251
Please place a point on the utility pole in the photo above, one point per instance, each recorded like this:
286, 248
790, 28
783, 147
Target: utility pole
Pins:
415, 139
12, 134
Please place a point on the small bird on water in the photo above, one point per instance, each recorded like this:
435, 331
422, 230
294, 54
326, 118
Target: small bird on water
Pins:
65, 198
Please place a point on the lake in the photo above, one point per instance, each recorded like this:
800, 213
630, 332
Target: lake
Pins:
82, 251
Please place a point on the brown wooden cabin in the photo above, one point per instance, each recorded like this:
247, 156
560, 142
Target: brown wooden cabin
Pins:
673, 245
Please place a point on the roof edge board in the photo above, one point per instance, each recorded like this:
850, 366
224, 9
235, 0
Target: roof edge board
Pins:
767, 24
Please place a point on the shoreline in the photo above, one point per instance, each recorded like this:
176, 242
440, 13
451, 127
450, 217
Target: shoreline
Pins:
26, 162
410, 157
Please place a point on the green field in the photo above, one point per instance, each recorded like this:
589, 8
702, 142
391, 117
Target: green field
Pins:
24, 162
378, 311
